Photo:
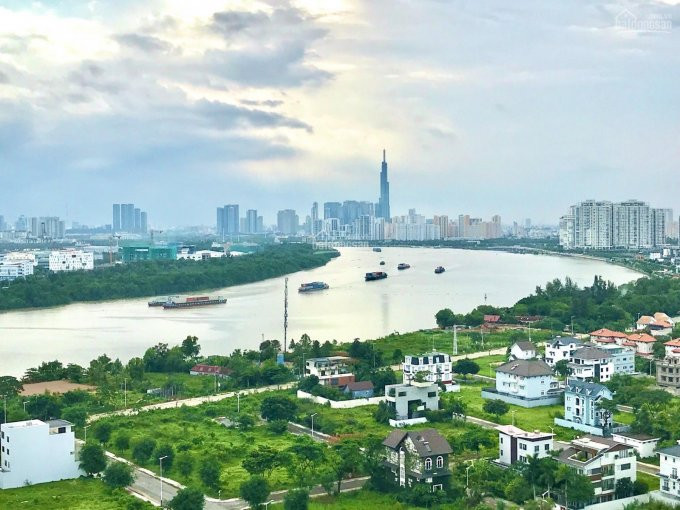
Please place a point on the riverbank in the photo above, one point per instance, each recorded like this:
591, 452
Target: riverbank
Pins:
153, 278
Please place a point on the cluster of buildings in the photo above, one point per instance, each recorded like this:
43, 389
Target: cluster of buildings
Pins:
229, 221
604, 225
21, 264
130, 219
33, 229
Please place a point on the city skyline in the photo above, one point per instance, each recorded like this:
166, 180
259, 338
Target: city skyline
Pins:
172, 104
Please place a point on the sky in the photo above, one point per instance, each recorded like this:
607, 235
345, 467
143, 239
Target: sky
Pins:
484, 106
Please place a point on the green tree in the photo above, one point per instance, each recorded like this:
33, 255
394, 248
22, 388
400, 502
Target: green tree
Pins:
278, 408
246, 421
102, 432
209, 472
296, 499
135, 369
347, 460
187, 499
122, 440
255, 491
577, 489
165, 450
517, 490
384, 413
659, 349
562, 368
10, 386
118, 475
184, 463
143, 449
262, 460
92, 459
624, 488
445, 318
496, 407
190, 347
465, 366
277, 426
306, 457
76, 415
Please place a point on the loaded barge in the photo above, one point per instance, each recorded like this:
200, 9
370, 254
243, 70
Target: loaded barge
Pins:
192, 301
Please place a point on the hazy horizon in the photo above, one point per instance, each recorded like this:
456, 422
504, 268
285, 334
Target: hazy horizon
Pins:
484, 108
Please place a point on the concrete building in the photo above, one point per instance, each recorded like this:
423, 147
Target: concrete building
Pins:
186, 253
582, 410
331, 371
526, 383
668, 368
287, 222
669, 464
411, 400
644, 445
516, 445
212, 370
622, 356
383, 209
137, 253
71, 260
34, 452
591, 364
523, 350
561, 348
642, 343
438, 366
418, 456
602, 460
607, 336
13, 269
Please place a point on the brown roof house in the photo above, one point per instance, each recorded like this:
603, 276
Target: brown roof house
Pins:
418, 456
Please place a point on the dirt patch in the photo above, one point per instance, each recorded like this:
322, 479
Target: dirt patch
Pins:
57, 387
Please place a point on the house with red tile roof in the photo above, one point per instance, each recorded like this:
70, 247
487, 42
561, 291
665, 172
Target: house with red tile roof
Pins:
643, 343
658, 324
213, 370
607, 336
673, 348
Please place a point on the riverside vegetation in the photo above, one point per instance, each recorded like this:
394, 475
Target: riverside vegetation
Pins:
160, 277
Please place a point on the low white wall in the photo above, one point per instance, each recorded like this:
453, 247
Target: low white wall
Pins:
341, 404
406, 423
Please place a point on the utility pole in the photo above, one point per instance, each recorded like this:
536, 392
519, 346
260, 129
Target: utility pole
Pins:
455, 338
160, 461
285, 315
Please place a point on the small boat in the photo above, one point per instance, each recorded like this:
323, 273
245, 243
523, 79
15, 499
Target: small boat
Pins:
174, 302
403, 265
375, 275
310, 287
382, 262
439, 270
377, 250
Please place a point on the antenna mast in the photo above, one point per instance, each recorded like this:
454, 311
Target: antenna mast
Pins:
285, 315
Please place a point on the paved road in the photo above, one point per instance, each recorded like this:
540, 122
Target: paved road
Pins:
191, 402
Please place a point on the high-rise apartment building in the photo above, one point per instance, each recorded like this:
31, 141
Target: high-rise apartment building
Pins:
602, 225
144, 222
251, 221
228, 220
332, 210
384, 200
287, 222
115, 224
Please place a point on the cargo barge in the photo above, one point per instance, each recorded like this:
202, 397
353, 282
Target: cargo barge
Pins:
192, 301
311, 287
375, 275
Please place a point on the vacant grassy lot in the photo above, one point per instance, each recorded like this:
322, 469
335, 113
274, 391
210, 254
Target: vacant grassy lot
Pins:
468, 341
80, 494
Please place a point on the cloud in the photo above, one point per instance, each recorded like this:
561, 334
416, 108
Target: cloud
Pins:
226, 116
4, 78
142, 42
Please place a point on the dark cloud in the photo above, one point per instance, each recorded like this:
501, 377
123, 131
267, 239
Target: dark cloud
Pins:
226, 116
93, 76
147, 43
229, 23
271, 103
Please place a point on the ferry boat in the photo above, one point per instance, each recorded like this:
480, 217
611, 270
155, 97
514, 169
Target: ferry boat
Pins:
192, 301
160, 301
439, 270
403, 265
375, 275
377, 250
310, 287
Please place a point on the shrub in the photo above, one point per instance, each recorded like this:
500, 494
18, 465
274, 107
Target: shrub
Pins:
122, 441
296, 499
118, 475
143, 449
277, 426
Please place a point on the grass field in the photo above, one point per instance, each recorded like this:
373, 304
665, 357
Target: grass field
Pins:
651, 481
80, 494
468, 341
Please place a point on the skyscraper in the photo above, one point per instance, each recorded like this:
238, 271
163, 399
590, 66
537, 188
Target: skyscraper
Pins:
332, 210
287, 221
251, 221
138, 219
144, 221
231, 219
116, 217
384, 201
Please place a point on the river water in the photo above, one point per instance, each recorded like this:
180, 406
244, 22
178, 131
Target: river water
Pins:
352, 308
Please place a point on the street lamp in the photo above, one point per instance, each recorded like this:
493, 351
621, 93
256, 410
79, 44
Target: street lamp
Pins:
313, 424
513, 417
572, 325
467, 476
160, 461
85, 429
26, 402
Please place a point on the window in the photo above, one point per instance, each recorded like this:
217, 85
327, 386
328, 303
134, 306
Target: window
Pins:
536, 448
547, 447
625, 467
522, 446
440, 462
431, 394
428, 464
437, 487
402, 393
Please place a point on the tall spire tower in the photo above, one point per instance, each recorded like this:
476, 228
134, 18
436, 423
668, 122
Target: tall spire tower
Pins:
384, 200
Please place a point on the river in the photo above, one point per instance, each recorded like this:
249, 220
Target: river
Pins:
405, 301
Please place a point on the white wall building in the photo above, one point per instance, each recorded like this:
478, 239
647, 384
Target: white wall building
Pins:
669, 464
602, 460
11, 270
437, 365
34, 451
522, 350
561, 348
644, 445
591, 364
516, 445
187, 254
71, 260
526, 383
